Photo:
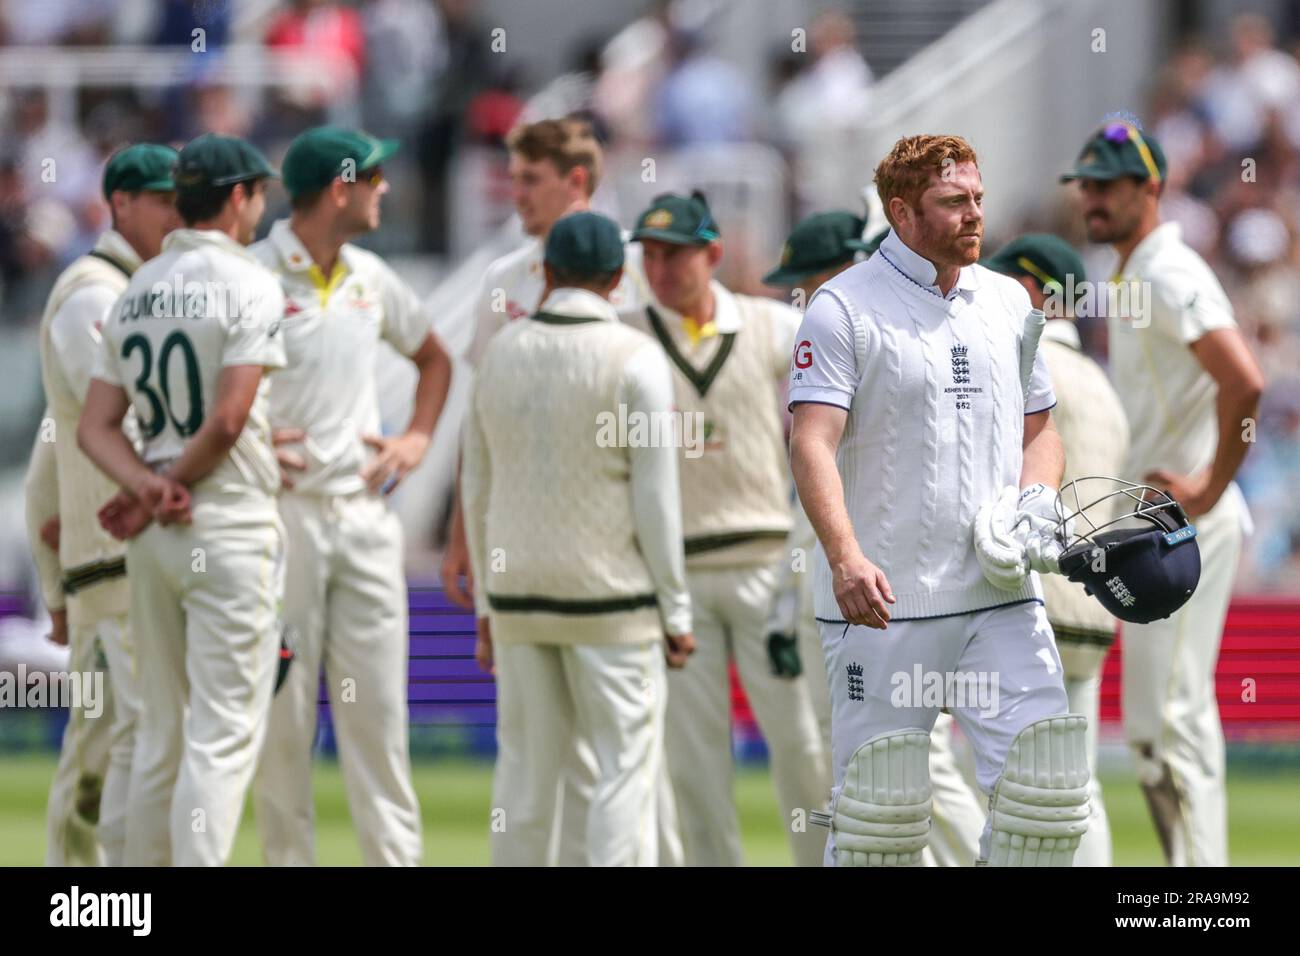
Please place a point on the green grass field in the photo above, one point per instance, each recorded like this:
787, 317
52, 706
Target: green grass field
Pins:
1264, 816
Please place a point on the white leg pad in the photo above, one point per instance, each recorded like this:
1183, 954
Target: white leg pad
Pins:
881, 815
1039, 808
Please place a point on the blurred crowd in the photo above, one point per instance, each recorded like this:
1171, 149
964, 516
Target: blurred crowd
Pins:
1226, 111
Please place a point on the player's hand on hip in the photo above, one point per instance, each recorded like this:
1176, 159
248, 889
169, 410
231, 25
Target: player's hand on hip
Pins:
483, 646
677, 648
50, 533
1190, 491
998, 548
290, 461
862, 592
395, 459
59, 627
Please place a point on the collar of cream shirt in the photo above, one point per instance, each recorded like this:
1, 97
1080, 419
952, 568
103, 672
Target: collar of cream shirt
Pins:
113, 244
181, 239
726, 312
578, 303
1064, 332
921, 271
1158, 239
294, 254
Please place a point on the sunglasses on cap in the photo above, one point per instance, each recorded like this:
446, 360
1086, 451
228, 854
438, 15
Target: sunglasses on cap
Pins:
1120, 133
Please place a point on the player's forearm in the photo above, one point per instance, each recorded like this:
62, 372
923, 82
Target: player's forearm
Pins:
204, 452
1235, 407
42, 505
105, 444
821, 491
431, 388
1044, 457
475, 490
657, 521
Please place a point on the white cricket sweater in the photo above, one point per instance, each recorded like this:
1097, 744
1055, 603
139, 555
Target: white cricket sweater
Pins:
574, 526
92, 562
936, 420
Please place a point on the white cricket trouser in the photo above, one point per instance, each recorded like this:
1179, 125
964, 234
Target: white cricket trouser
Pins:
957, 812
1084, 694
1010, 650
568, 846
1171, 713
205, 617
94, 769
345, 604
729, 610
614, 695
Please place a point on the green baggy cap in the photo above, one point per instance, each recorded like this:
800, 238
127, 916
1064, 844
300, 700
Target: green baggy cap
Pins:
319, 155
585, 243
142, 166
816, 244
213, 161
1119, 149
682, 220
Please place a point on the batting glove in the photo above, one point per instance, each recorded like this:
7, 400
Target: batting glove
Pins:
1038, 527
1001, 553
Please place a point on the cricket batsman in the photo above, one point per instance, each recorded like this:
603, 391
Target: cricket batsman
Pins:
819, 248
580, 586
345, 600
1094, 432
1191, 390
91, 781
187, 346
730, 355
918, 445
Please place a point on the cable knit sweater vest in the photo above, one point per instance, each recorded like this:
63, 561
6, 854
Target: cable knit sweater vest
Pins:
935, 430
735, 495
561, 558
93, 561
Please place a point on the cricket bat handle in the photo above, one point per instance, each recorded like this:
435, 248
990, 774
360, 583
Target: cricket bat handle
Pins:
1034, 323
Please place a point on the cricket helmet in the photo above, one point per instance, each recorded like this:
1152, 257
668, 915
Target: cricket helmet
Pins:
1131, 546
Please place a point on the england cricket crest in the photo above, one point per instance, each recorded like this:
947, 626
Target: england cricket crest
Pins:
853, 673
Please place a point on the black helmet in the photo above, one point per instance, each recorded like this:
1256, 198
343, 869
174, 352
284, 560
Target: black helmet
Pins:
1139, 556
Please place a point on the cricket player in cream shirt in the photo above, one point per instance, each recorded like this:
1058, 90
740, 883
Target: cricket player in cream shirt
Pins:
187, 346
90, 571
555, 167
1191, 390
345, 597
577, 547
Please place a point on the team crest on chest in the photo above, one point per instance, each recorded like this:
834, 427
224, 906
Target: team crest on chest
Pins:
961, 390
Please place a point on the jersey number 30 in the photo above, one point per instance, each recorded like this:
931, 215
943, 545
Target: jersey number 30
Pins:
161, 408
